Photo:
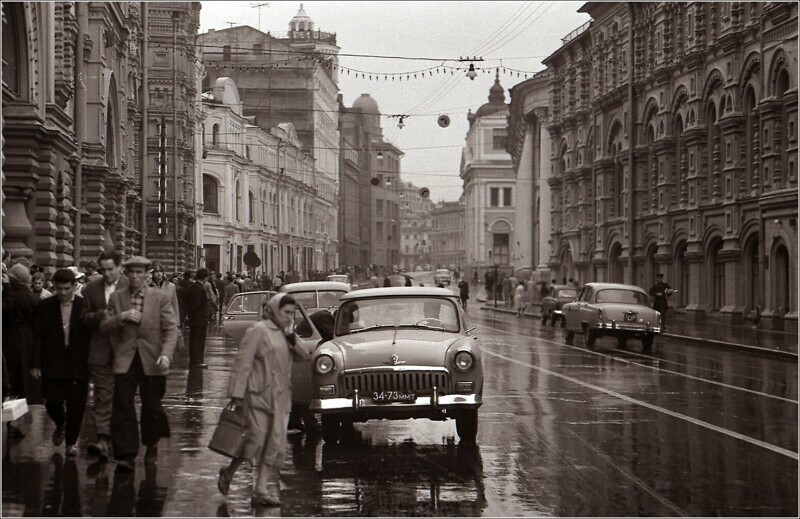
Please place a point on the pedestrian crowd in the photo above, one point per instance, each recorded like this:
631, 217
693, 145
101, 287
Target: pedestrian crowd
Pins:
113, 328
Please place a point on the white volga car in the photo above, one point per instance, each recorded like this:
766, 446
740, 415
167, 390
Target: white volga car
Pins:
611, 309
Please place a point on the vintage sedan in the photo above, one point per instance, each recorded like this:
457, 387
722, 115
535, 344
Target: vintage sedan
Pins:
340, 278
611, 309
443, 276
557, 296
317, 295
399, 353
244, 309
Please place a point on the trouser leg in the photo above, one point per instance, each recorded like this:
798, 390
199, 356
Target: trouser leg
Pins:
76, 392
154, 420
103, 378
124, 429
55, 410
197, 343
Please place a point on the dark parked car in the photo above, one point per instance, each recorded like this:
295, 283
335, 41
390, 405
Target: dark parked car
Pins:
557, 296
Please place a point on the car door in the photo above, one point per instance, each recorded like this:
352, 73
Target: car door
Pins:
587, 313
241, 313
308, 337
572, 312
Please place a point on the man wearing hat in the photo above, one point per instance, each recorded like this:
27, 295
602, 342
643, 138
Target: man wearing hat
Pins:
97, 294
660, 292
143, 329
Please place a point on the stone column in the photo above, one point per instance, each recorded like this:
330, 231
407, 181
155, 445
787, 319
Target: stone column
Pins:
93, 220
524, 203
545, 170
695, 256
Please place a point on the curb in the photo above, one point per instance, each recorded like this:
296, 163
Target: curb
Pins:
694, 340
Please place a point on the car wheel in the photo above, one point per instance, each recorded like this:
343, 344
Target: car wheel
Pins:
647, 343
591, 338
569, 337
331, 429
467, 426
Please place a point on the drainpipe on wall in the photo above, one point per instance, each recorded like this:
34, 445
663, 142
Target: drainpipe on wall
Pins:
631, 146
81, 10
145, 157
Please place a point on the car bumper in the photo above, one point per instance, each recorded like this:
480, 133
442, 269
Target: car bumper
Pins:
422, 405
624, 327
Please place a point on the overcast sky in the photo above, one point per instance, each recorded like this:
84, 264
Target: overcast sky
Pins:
519, 33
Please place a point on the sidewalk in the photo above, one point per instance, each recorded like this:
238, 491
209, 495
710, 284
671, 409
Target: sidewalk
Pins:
707, 332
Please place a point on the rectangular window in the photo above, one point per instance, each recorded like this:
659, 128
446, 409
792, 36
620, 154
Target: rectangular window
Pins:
507, 197
494, 197
226, 52
500, 248
258, 49
379, 207
499, 136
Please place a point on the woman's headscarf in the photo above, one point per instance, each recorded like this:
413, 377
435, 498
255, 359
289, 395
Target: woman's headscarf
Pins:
271, 307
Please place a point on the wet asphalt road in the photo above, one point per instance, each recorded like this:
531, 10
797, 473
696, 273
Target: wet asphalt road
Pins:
563, 432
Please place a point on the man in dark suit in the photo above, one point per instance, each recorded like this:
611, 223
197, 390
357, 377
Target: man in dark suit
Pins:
101, 360
197, 310
141, 323
60, 358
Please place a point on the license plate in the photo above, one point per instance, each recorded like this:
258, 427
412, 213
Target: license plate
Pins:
630, 317
386, 397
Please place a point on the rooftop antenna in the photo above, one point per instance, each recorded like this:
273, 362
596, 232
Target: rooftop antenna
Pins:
259, 6
231, 24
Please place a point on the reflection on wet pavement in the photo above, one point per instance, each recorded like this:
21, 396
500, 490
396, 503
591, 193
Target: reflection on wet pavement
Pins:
547, 446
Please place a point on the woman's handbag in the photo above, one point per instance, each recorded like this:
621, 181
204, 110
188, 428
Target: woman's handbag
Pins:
231, 432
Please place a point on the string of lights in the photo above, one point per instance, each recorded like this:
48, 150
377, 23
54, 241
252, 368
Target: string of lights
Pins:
375, 148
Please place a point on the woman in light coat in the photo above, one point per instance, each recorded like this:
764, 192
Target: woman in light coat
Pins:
261, 382
519, 298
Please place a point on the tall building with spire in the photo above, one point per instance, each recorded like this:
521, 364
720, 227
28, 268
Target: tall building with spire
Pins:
288, 79
489, 184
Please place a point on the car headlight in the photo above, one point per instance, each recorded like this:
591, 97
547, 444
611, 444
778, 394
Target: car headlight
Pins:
324, 364
464, 361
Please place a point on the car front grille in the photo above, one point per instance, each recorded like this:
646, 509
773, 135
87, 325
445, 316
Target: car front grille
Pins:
419, 382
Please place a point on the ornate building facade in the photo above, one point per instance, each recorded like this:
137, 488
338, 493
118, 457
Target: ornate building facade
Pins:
415, 227
73, 76
489, 188
447, 234
259, 192
674, 150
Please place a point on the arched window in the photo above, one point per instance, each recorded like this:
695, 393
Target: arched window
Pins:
782, 131
712, 149
111, 141
782, 280
251, 204
716, 267
215, 134
210, 194
15, 55
752, 133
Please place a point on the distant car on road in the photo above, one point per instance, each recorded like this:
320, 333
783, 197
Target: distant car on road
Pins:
611, 309
399, 353
557, 296
339, 278
443, 276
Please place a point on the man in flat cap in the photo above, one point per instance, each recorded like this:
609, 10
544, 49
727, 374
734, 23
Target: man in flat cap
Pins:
143, 329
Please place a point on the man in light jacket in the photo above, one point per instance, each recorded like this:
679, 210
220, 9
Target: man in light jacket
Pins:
141, 324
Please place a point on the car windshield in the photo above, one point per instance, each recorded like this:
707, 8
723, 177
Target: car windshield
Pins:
618, 295
327, 298
568, 293
340, 279
247, 303
420, 312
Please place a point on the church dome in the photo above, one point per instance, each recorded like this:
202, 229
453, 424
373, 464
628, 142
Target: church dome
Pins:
367, 104
497, 99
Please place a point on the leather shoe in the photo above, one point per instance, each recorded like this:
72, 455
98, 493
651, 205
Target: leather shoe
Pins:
224, 481
126, 465
71, 451
151, 456
99, 449
58, 436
